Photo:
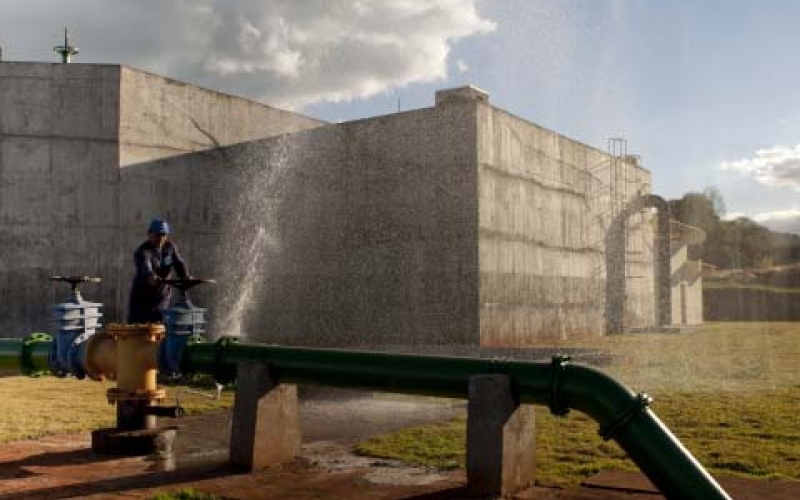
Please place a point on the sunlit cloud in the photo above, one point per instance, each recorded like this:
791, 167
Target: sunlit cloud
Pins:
778, 166
282, 52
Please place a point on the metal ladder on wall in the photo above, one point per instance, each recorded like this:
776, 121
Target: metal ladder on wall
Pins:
614, 181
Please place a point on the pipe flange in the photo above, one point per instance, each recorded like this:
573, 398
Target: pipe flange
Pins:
222, 374
195, 338
502, 361
26, 364
638, 405
115, 394
558, 366
184, 364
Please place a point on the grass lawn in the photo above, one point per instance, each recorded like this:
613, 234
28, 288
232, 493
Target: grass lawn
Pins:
720, 285
34, 407
729, 391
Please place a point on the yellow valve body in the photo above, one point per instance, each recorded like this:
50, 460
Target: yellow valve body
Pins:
136, 361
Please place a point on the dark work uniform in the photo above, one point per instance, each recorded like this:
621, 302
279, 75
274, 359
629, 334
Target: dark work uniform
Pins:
149, 301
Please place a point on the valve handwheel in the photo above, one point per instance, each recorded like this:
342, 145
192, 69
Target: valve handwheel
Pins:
186, 284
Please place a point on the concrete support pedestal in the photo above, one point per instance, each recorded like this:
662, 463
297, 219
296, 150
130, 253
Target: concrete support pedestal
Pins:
500, 439
266, 420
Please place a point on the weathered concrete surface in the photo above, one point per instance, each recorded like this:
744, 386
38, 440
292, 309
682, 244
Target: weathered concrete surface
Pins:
687, 278
545, 206
161, 117
458, 223
65, 204
369, 231
618, 267
266, 419
58, 184
453, 224
500, 439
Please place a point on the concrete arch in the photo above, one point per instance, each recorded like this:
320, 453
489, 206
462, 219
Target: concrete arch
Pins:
615, 264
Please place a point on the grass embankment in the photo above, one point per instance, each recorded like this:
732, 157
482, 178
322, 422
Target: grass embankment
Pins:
35, 407
730, 392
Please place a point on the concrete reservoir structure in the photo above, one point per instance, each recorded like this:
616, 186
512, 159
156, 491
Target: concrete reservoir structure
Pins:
459, 223
686, 281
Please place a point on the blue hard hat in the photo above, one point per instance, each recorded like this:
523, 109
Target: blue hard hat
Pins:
158, 226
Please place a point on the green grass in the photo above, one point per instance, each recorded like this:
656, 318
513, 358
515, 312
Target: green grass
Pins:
720, 285
53, 406
730, 392
185, 494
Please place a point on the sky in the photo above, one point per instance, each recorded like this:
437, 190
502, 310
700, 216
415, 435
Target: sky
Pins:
706, 92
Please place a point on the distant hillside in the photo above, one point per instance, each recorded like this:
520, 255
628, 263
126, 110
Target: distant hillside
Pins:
733, 244
779, 278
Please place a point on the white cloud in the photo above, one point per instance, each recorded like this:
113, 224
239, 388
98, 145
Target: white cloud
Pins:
461, 66
733, 215
787, 221
285, 52
792, 213
778, 166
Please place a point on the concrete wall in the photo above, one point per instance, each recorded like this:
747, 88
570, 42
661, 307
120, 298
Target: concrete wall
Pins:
454, 224
686, 287
694, 294
358, 233
58, 185
545, 207
161, 117
640, 286
66, 206
171, 139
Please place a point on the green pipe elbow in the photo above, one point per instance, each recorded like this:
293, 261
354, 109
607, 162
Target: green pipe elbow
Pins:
625, 417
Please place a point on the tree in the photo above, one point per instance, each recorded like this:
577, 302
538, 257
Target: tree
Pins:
695, 209
731, 244
717, 201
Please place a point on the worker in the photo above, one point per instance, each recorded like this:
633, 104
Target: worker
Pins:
155, 259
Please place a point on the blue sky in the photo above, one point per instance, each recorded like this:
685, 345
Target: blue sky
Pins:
706, 91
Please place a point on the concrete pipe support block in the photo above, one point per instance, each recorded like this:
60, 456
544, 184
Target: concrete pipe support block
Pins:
266, 419
500, 439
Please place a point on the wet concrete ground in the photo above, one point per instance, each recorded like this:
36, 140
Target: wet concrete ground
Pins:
62, 467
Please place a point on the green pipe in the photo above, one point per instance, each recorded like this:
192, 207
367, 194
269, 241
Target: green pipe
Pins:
29, 355
623, 415
9, 353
